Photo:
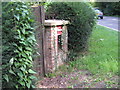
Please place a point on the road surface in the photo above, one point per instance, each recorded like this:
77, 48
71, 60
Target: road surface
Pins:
110, 22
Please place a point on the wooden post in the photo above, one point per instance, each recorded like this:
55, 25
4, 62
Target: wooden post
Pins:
40, 18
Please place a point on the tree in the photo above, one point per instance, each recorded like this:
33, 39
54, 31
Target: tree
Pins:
109, 8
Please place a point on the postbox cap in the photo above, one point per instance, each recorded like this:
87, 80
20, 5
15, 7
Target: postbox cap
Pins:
55, 22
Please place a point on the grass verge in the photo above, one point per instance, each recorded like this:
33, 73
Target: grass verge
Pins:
102, 55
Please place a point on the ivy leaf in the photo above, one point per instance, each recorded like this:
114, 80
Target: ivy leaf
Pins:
16, 86
20, 48
16, 51
30, 58
18, 31
6, 78
28, 84
25, 11
23, 14
28, 48
17, 37
33, 86
22, 68
22, 38
30, 41
24, 55
17, 9
28, 61
11, 61
25, 65
24, 6
31, 20
23, 31
29, 32
33, 77
20, 74
17, 17
33, 38
15, 44
31, 71
10, 71
22, 42
22, 83
28, 53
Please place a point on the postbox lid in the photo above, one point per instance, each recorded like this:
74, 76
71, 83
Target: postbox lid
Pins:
55, 22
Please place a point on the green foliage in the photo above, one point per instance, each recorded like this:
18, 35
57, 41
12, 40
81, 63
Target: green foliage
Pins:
18, 42
109, 8
103, 53
81, 17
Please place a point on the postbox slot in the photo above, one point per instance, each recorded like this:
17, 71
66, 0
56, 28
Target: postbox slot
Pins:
60, 41
59, 27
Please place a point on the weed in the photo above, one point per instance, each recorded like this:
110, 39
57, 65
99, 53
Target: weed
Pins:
72, 78
50, 75
70, 82
70, 87
97, 80
110, 82
66, 76
79, 72
63, 75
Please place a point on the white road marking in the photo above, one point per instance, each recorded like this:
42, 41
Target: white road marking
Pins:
110, 24
114, 19
109, 27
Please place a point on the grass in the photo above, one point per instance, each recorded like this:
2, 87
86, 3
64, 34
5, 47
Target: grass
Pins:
102, 55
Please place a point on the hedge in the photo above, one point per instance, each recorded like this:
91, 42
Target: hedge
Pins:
81, 17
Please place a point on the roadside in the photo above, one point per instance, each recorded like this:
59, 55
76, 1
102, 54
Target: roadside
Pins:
110, 22
109, 28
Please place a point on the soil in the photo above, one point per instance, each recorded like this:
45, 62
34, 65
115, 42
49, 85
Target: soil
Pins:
78, 79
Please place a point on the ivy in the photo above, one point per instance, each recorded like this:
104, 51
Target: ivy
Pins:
18, 42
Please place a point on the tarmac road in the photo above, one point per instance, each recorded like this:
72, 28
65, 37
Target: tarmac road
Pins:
110, 22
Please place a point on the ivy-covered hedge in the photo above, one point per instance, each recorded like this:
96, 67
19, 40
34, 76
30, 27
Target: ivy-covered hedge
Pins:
18, 41
81, 17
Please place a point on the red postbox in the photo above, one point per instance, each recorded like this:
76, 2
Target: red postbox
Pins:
55, 41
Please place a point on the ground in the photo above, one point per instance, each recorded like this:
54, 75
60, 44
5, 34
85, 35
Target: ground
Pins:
78, 79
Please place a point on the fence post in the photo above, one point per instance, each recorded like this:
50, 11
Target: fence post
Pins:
40, 18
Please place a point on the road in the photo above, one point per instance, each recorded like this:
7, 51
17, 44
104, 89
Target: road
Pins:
110, 22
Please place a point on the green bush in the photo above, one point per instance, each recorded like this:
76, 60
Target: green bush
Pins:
81, 17
18, 41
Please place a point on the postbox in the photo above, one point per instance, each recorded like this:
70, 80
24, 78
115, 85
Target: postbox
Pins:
55, 44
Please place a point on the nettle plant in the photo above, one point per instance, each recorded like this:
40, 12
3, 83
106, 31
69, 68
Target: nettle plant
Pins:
18, 42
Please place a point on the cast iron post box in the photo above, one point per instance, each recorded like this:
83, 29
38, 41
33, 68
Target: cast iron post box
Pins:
55, 44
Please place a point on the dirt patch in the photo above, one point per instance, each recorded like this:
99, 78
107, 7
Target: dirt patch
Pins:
78, 79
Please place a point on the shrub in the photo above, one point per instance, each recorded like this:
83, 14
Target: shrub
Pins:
81, 17
18, 41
